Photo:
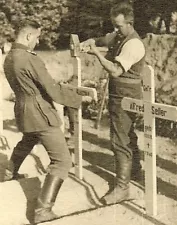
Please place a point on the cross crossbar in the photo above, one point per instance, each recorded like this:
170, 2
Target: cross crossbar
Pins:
158, 110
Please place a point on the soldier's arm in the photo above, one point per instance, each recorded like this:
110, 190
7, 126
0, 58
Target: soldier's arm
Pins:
43, 78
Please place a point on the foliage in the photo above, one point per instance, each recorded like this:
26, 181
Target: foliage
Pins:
155, 16
86, 18
47, 12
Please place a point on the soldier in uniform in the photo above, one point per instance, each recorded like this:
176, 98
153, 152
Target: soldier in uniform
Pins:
36, 116
124, 63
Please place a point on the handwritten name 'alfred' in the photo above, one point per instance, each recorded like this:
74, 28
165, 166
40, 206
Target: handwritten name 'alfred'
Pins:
155, 111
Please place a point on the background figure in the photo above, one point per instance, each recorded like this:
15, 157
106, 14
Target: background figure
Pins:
36, 117
124, 62
70, 113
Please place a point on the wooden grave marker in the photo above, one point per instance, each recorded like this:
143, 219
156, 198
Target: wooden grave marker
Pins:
151, 110
72, 97
76, 62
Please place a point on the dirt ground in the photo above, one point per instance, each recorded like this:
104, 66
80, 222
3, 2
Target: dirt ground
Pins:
78, 201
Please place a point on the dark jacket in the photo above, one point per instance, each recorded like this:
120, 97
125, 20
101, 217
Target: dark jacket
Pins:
34, 88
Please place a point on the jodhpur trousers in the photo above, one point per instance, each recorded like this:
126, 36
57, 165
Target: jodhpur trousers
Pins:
54, 142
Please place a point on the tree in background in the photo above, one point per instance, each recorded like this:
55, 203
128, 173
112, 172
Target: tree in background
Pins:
86, 18
155, 16
47, 12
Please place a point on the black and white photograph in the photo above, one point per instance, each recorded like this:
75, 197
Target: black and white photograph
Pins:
88, 112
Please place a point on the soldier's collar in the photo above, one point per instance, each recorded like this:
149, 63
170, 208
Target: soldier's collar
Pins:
34, 53
19, 46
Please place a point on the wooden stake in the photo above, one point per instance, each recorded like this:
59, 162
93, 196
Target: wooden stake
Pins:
149, 144
75, 52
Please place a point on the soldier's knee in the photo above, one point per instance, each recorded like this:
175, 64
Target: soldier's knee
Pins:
60, 169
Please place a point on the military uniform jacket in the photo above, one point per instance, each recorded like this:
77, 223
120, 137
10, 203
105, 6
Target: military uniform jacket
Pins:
34, 88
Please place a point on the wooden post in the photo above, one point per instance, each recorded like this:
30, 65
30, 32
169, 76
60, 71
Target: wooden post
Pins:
149, 144
75, 53
151, 110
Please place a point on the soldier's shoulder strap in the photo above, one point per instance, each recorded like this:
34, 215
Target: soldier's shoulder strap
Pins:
31, 52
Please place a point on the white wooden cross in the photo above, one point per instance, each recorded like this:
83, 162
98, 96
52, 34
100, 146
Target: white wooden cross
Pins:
81, 91
151, 110
72, 97
76, 61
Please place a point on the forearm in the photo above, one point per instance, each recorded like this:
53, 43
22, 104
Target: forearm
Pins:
112, 68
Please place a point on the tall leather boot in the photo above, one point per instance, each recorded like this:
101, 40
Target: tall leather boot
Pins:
11, 173
47, 198
123, 171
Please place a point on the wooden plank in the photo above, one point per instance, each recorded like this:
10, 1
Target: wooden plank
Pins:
72, 96
163, 111
132, 105
150, 145
75, 52
78, 125
150, 110
158, 110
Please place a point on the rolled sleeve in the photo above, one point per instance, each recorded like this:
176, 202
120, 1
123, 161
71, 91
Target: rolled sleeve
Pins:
132, 52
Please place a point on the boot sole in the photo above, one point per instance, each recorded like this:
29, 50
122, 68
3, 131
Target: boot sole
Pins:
103, 201
44, 221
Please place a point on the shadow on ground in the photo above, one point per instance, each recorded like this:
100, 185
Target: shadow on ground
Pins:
127, 204
106, 161
90, 190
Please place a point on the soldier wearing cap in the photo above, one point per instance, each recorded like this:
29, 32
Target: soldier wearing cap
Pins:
36, 116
